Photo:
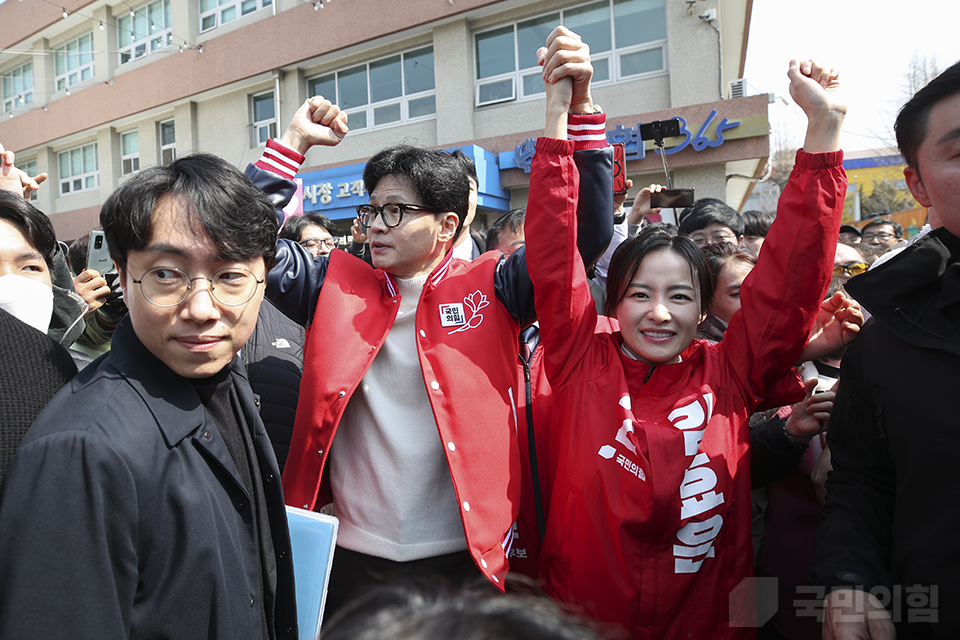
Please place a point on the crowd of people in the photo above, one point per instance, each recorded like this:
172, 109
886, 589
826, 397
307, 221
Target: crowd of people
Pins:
586, 424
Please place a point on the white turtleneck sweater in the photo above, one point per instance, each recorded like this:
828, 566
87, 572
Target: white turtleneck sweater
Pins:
392, 489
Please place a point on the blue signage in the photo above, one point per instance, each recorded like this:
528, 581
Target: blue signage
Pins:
634, 147
701, 141
336, 192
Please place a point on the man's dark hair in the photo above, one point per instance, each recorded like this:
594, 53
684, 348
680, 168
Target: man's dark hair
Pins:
469, 167
756, 223
238, 217
77, 253
666, 227
707, 211
439, 179
32, 223
628, 256
876, 222
911, 124
849, 228
295, 225
511, 221
425, 612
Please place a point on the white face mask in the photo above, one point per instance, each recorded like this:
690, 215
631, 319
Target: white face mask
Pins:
28, 300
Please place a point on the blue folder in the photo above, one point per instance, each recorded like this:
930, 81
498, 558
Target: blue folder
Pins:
312, 538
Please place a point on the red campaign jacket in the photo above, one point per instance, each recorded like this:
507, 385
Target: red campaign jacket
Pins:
649, 525
534, 399
464, 337
468, 320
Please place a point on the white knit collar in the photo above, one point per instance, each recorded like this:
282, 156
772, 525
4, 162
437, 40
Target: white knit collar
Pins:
410, 290
410, 286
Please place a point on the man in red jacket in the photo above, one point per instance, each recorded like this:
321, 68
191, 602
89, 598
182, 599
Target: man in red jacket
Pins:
418, 395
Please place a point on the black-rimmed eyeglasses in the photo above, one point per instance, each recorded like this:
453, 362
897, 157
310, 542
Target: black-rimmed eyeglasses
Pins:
169, 287
391, 213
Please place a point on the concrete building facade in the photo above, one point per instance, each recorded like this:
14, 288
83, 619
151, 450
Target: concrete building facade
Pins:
115, 87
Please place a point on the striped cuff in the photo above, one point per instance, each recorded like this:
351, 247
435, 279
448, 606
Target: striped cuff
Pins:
280, 159
588, 131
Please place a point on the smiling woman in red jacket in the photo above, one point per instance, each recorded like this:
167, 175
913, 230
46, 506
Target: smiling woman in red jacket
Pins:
649, 524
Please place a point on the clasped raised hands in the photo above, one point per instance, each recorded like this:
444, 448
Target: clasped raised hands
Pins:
567, 56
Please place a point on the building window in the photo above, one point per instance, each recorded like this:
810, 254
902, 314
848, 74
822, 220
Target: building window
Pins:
74, 62
390, 91
168, 142
18, 87
78, 169
627, 39
146, 31
214, 13
264, 119
30, 168
129, 152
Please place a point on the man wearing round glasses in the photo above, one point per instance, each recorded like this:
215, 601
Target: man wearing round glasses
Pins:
420, 390
145, 500
189, 305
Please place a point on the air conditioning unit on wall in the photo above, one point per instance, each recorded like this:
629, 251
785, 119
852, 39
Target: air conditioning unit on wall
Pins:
738, 88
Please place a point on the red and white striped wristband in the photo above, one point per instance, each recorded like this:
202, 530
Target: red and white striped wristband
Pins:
280, 159
588, 130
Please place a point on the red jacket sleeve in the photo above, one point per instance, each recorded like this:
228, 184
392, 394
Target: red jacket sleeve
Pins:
781, 297
564, 305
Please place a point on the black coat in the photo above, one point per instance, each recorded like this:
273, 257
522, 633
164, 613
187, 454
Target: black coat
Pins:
123, 514
891, 518
34, 368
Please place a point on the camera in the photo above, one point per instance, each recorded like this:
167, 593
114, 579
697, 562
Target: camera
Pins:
672, 198
668, 198
660, 129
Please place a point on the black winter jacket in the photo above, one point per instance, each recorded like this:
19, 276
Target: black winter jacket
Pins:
891, 518
274, 359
